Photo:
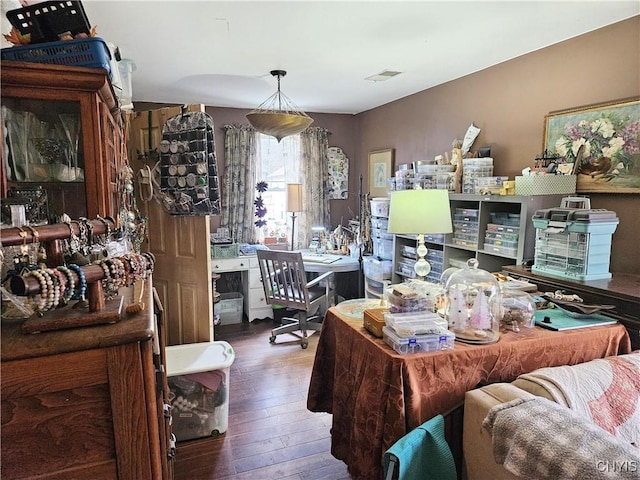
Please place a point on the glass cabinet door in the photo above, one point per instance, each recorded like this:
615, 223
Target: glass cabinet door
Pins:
43, 159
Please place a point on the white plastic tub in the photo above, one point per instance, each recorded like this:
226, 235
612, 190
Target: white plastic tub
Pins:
380, 207
198, 378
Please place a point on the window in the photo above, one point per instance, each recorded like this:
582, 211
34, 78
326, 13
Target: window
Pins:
278, 164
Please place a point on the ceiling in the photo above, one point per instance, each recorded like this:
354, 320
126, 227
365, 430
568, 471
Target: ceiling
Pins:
220, 53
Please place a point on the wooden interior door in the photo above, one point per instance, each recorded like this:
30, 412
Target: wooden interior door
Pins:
181, 244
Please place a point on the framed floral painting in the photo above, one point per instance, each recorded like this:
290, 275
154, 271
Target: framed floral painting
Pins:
603, 143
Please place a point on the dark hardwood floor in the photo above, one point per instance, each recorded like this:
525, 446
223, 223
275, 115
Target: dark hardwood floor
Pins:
271, 434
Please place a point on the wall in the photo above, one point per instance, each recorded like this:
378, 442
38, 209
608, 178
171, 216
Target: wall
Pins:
341, 128
509, 102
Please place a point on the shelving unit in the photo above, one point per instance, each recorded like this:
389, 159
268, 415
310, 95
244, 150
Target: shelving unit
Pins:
377, 268
494, 229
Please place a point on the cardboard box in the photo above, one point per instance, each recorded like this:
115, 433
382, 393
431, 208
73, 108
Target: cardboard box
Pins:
546, 184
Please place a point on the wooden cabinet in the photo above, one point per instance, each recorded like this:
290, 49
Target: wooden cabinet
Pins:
86, 402
46, 109
494, 229
621, 290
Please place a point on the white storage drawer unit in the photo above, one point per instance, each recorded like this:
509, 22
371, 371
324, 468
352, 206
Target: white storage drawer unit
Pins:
252, 291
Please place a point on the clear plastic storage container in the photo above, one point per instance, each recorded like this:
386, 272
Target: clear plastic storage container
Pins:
198, 378
418, 343
517, 309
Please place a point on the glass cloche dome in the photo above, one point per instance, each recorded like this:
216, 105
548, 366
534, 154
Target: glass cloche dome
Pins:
473, 304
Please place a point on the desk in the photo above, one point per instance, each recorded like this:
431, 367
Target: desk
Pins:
376, 395
337, 264
621, 290
254, 303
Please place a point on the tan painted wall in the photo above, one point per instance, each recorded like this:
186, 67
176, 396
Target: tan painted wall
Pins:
509, 102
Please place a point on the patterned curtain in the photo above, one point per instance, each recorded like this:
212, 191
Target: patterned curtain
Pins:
238, 183
314, 142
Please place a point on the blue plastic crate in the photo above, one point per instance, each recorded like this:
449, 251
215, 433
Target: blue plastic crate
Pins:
82, 52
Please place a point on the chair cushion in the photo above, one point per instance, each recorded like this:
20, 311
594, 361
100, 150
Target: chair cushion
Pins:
314, 293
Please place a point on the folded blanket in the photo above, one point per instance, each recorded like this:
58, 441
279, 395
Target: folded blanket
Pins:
537, 438
605, 391
422, 454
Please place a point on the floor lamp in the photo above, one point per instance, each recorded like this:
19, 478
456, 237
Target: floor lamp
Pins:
416, 212
294, 204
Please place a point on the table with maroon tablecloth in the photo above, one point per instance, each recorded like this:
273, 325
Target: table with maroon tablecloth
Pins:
377, 396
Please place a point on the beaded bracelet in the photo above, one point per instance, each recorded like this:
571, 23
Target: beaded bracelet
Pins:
53, 299
129, 276
71, 284
82, 290
135, 266
107, 281
42, 302
62, 281
47, 296
117, 272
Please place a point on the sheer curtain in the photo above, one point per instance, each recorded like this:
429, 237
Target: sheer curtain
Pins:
314, 171
278, 164
238, 183
244, 166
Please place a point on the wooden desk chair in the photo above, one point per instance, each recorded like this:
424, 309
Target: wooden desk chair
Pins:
285, 283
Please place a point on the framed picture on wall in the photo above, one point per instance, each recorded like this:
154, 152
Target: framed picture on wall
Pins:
609, 134
380, 169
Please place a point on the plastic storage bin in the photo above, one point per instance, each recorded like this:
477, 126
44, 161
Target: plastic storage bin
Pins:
377, 270
418, 343
380, 207
82, 52
230, 308
198, 378
574, 243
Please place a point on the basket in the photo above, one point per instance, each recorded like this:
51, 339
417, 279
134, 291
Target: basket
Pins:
82, 52
46, 21
225, 250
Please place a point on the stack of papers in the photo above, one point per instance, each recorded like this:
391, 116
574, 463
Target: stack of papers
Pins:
320, 258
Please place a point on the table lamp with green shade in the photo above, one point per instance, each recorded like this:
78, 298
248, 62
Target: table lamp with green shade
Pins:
416, 212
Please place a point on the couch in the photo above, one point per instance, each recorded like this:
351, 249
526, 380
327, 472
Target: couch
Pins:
566, 422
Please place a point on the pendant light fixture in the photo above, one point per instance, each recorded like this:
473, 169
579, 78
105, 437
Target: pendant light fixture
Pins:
278, 116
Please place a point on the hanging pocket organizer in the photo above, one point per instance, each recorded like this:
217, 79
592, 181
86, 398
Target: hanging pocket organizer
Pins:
188, 170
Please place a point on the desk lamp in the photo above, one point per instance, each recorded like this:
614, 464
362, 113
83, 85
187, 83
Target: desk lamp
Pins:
416, 212
294, 204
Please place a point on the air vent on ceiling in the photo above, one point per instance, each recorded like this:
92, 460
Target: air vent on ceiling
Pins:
382, 76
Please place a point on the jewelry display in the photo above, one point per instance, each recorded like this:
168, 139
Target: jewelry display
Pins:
51, 288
